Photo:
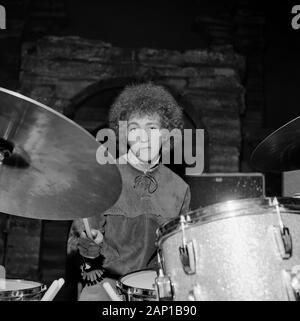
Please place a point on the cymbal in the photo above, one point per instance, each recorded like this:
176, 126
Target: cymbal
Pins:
49, 168
280, 151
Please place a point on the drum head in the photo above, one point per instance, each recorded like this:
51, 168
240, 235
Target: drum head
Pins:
10, 288
140, 279
138, 286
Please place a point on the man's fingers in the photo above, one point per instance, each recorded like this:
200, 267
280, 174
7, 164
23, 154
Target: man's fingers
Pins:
99, 238
86, 242
88, 247
83, 235
94, 232
97, 235
93, 253
83, 246
83, 252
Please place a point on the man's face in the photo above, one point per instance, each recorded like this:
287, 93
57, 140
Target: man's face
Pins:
144, 137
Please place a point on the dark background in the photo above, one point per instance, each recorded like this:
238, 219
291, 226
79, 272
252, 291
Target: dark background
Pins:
170, 25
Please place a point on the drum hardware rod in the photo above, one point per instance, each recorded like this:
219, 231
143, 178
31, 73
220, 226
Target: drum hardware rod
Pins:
160, 260
182, 224
276, 204
5, 238
284, 241
3, 155
188, 258
164, 287
187, 251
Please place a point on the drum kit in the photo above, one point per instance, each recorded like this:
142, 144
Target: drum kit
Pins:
246, 249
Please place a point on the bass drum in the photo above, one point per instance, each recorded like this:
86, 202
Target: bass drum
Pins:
246, 249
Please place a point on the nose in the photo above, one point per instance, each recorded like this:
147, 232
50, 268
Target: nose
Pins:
144, 135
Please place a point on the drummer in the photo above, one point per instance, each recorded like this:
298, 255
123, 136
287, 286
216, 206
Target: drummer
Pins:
125, 235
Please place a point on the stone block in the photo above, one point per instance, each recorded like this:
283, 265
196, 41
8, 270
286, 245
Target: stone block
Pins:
78, 48
207, 105
215, 58
159, 57
176, 83
216, 82
67, 89
23, 248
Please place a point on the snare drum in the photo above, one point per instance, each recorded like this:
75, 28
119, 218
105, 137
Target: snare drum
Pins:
138, 286
236, 250
21, 290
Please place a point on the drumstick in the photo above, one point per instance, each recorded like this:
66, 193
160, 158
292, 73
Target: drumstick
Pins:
49, 292
53, 290
111, 292
59, 284
87, 228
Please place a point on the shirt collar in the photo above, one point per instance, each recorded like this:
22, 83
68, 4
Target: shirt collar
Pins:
136, 163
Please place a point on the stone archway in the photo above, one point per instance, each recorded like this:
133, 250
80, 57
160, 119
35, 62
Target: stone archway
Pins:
89, 108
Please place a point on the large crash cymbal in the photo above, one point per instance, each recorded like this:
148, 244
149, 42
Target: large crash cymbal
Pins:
49, 170
280, 151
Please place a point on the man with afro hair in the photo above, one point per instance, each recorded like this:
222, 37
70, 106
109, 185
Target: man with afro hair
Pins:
125, 235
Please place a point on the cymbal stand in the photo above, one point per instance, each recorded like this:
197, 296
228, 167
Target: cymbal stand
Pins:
4, 153
5, 238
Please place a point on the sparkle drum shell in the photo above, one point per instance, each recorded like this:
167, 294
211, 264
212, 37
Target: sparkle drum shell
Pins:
236, 252
21, 290
138, 286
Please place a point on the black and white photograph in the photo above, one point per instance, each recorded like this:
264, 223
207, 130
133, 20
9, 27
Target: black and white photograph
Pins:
149, 151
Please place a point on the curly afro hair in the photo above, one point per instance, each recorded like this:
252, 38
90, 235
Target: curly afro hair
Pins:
146, 99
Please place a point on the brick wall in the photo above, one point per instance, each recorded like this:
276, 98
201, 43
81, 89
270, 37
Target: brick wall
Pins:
55, 70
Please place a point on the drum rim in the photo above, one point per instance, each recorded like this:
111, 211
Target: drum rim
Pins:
214, 212
8, 294
135, 291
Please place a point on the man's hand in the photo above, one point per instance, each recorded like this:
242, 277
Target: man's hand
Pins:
90, 248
